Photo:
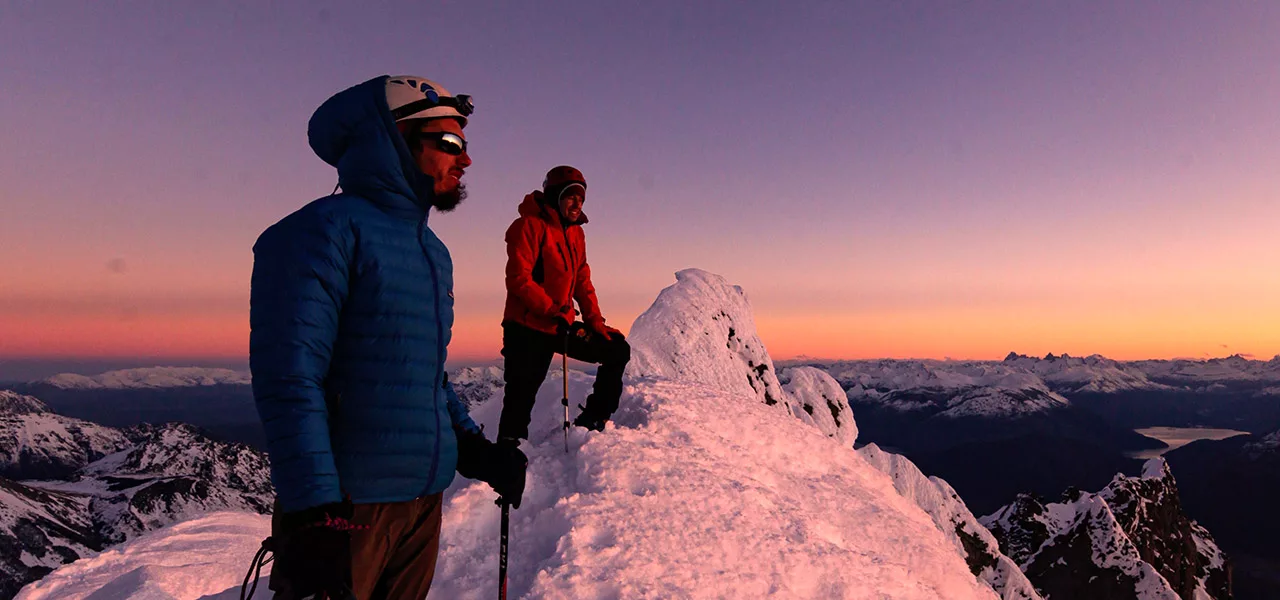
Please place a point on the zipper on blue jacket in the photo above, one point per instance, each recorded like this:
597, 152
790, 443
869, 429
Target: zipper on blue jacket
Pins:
435, 284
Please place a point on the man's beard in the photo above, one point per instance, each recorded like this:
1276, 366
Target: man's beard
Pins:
450, 200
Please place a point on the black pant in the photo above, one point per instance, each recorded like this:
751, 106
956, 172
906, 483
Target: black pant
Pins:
527, 354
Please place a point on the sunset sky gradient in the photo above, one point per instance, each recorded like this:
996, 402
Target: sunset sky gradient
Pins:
884, 179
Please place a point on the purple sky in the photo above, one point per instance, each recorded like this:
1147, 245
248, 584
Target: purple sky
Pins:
846, 163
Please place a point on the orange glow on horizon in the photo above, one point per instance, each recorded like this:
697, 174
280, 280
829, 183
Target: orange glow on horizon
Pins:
972, 334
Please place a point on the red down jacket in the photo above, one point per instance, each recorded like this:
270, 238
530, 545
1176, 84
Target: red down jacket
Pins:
547, 268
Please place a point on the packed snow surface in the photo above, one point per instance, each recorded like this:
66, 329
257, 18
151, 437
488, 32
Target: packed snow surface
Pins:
691, 493
202, 558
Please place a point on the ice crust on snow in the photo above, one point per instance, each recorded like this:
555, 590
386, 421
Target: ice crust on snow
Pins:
151, 377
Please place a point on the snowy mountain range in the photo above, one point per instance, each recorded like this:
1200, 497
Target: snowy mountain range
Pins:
476, 385
85, 486
36, 443
150, 378
1062, 374
1130, 540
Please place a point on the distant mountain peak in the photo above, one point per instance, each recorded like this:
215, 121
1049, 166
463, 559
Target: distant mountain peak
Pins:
1129, 540
13, 403
36, 443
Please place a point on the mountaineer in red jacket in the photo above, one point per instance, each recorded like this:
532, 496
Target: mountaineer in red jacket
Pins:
546, 272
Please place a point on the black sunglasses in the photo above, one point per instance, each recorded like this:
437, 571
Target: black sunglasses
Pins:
449, 143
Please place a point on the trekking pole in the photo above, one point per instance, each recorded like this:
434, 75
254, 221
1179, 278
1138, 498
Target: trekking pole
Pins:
564, 364
502, 548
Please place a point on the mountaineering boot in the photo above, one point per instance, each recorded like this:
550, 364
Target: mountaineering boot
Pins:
591, 417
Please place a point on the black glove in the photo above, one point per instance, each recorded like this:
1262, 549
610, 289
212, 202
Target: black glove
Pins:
500, 465
312, 550
562, 324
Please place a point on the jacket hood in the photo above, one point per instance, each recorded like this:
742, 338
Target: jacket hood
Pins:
354, 132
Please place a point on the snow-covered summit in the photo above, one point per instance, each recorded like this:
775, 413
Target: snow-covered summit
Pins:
1129, 540
13, 403
149, 378
692, 492
36, 443
705, 476
701, 330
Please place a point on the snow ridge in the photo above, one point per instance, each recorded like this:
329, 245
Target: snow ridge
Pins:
953, 519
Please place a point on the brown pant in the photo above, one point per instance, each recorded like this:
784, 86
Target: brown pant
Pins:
395, 558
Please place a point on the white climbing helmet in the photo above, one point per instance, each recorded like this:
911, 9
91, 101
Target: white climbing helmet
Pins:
411, 97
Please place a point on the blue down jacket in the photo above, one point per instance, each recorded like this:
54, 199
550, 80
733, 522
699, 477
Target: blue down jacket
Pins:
351, 311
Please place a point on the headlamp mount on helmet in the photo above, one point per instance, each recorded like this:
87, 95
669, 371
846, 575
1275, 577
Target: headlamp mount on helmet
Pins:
461, 103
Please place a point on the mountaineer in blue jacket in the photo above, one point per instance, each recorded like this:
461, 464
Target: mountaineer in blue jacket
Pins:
351, 315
